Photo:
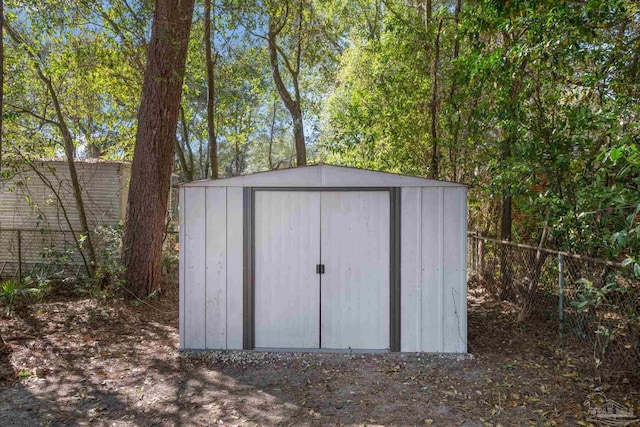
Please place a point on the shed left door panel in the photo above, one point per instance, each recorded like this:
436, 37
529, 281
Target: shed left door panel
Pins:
287, 249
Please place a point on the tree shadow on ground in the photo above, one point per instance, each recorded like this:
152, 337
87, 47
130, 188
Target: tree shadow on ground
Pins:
7, 373
102, 368
109, 363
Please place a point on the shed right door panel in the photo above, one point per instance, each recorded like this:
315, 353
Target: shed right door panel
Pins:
355, 242
287, 249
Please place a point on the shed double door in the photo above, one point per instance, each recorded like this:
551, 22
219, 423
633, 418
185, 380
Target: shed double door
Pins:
299, 234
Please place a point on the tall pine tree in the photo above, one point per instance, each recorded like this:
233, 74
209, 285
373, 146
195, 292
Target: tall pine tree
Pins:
155, 143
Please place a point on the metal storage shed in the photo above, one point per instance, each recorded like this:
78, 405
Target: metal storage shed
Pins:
323, 257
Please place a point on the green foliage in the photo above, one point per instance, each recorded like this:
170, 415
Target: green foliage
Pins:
12, 291
92, 69
538, 103
597, 303
590, 297
25, 373
534, 101
109, 269
378, 116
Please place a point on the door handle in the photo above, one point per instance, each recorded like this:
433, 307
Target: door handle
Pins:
319, 268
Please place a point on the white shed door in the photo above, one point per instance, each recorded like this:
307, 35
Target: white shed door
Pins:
355, 242
347, 307
287, 250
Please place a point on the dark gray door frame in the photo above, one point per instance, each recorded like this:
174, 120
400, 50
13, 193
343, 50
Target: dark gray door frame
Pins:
248, 295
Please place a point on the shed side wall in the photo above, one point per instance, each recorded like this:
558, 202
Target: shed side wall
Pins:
454, 283
211, 271
411, 270
181, 269
433, 270
194, 268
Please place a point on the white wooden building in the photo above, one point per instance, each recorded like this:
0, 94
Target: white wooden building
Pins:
323, 258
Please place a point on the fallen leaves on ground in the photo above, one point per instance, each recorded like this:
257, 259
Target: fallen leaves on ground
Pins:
105, 362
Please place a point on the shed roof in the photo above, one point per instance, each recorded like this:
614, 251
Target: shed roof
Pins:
322, 175
88, 160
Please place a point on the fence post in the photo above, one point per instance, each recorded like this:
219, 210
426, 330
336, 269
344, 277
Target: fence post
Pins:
481, 252
19, 256
476, 252
561, 293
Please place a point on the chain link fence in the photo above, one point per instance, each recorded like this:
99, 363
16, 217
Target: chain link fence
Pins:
55, 254
595, 302
39, 253
171, 254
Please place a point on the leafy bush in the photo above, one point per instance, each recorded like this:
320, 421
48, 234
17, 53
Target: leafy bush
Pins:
11, 291
609, 315
109, 249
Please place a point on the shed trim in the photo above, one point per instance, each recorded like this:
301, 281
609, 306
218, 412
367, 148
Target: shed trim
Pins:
249, 259
394, 269
181, 270
248, 302
322, 175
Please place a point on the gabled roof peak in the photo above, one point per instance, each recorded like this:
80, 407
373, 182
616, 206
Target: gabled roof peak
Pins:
323, 175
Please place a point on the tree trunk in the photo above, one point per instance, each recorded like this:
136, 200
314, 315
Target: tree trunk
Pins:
292, 104
186, 173
187, 168
298, 134
187, 141
454, 146
506, 221
506, 226
153, 153
67, 140
509, 131
69, 150
271, 131
505, 292
210, 59
435, 163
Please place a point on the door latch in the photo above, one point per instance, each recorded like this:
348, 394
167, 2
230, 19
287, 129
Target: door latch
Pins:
319, 268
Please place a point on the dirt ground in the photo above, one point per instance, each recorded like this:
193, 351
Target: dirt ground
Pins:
105, 362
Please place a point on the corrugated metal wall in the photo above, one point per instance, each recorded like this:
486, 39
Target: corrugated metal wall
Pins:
30, 205
102, 184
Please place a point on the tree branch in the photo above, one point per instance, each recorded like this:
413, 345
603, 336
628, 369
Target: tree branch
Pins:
275, 71
31, 113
